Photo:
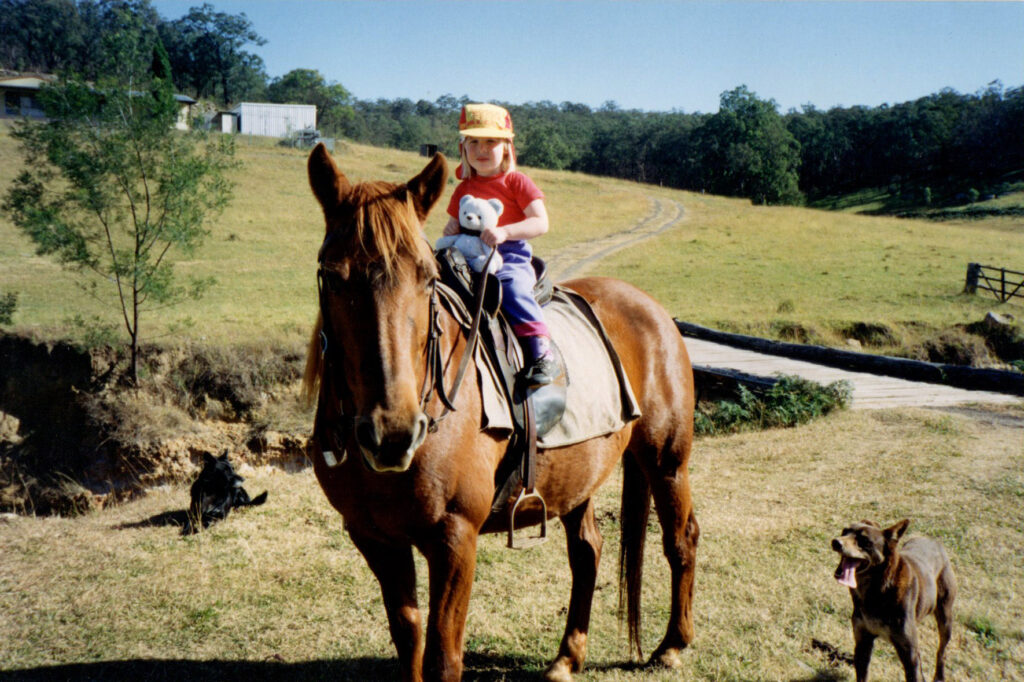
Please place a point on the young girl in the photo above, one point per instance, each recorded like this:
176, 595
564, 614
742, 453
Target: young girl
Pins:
488, 171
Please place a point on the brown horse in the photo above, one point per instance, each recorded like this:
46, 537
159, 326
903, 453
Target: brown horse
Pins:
402, 480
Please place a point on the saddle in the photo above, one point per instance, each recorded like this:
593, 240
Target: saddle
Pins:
534, 411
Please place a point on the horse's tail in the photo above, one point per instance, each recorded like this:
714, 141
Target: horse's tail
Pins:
314, 366
636, 507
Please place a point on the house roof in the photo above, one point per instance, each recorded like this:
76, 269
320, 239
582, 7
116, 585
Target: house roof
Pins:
25, 81
36, 81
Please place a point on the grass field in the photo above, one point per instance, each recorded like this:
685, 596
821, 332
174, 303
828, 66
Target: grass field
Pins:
279, 592
262, 250
737, 266
728, 264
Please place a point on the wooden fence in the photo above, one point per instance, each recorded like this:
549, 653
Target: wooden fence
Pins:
1004, 283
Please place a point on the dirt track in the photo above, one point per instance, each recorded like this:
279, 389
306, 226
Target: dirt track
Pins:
574, 260
869, 390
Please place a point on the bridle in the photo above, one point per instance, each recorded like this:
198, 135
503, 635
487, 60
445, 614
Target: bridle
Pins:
433, 380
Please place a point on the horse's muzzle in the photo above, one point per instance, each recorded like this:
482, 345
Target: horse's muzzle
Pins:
389, 448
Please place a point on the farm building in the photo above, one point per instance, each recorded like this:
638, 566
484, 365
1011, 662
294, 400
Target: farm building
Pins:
273, 120
18, 94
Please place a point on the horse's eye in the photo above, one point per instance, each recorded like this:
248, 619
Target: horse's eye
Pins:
333, 281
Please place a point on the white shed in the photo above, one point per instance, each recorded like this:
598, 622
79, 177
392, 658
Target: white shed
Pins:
274, 120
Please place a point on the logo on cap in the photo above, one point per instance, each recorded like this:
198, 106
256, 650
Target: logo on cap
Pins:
485, 120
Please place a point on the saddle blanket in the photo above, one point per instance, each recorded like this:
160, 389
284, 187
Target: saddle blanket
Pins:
599, 399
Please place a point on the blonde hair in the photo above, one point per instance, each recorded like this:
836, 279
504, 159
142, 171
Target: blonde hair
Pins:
508, 163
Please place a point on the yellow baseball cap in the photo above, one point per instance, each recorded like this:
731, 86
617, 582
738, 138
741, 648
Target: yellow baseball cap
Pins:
485, 120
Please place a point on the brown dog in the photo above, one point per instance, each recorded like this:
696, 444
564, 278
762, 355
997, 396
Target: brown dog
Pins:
893, 589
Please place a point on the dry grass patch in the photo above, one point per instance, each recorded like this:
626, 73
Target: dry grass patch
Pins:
278, 590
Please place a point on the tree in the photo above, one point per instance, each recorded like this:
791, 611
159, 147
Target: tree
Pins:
205, 49
41, 35
307, 86
69, 37
115, 194
747, 150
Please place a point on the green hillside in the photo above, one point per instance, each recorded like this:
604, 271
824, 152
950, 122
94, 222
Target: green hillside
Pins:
726, 264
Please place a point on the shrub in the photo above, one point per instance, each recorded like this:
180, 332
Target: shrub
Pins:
791, 401
8, 304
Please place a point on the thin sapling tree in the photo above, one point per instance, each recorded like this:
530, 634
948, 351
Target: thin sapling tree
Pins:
116, 194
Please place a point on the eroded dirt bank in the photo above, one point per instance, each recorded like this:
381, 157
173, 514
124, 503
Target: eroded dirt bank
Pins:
73, 437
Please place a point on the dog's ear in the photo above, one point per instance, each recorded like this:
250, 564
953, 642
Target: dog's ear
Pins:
208, 459
866, 522
223, 456
896, 531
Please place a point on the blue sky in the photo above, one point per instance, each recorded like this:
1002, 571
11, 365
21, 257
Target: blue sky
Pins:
655, 56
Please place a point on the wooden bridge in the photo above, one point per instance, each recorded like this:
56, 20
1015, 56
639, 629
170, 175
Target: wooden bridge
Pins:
869, 390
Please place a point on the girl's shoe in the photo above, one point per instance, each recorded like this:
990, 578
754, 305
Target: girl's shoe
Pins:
542, 371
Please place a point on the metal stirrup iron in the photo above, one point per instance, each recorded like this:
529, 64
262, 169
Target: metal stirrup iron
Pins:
529, 491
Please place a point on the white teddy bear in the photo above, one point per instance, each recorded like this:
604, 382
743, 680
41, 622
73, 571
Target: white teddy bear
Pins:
475, 215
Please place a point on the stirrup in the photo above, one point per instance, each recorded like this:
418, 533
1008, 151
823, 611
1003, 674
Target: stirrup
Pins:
527, 542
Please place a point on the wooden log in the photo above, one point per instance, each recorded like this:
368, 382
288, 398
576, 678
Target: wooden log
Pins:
971, 378
714, 384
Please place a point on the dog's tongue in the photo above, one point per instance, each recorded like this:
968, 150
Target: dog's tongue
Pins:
847, 573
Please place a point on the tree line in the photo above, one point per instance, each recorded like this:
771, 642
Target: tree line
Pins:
936, 149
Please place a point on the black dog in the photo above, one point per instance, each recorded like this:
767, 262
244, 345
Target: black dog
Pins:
215, 492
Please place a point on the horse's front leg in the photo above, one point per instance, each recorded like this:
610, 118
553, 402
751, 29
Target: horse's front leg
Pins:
584, 543
396, 574
451, 560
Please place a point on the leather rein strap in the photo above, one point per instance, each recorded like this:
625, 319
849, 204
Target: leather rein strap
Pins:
434, 349
434, 378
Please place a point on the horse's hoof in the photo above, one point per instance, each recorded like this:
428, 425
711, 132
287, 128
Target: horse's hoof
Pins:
666, 658
559, 671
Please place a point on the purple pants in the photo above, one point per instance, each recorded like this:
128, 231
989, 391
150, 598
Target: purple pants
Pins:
517, 279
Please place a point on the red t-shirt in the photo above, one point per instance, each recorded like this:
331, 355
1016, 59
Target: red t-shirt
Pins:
514, 190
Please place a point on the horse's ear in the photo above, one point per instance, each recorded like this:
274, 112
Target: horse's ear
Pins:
328, 183
426, 188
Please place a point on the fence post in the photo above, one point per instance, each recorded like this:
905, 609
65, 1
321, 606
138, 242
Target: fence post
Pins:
1002, 285
973, 272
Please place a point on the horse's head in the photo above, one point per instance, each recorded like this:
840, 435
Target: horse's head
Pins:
376, 273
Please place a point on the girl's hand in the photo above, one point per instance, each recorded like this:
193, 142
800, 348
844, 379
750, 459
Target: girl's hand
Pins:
492, 236
451, 227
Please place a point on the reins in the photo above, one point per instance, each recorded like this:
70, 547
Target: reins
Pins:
434, 377
448, 399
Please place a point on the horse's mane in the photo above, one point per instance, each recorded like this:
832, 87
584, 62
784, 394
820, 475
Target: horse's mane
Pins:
381, 229
386, 228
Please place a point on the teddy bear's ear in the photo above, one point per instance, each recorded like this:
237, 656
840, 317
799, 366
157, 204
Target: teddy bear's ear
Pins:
499, 207
465, 198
